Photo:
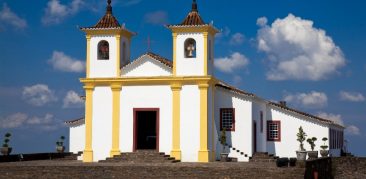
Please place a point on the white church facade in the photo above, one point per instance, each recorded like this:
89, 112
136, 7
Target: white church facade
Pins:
179, 107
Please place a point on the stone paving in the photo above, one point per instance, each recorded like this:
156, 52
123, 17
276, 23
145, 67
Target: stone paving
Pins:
77, 169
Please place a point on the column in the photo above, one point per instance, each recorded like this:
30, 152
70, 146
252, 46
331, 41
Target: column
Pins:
116, 94
203, 153
176, 152
88, 151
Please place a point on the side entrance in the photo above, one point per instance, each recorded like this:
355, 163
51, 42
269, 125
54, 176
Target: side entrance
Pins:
146, 129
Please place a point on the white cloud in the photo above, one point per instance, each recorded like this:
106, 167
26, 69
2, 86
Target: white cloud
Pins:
38, 95
351, 96
337, 118
13, 121
313, 99
228, 64
296, 50
9, 17
72, 99
62, 62
262, 21
55, 12
223, 33
237, 39
353, 130
157, 17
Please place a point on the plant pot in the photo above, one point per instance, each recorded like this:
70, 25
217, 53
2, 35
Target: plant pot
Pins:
60, 149
292, 162
6, 150
224, 157
313, 154
324, 153
282, 162
301, 155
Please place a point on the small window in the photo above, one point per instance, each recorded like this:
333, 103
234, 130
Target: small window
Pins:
103, 50
190, 48
273, 130
261, 121
227, 119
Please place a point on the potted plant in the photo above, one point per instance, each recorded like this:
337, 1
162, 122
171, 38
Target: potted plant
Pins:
301, 136
60, 145
312, 154
223, 155
324, 152
6, 150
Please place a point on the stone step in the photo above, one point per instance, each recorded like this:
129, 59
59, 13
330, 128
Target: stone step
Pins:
141, 156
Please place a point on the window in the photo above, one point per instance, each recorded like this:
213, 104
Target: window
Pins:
261, 121
227, 119
274, 130
103, 50
190, 48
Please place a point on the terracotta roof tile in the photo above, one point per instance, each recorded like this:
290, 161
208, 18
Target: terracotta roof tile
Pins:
193, 18
161, 59
231, 88
75, 122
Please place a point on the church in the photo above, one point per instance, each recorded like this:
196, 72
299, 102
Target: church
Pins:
177, 106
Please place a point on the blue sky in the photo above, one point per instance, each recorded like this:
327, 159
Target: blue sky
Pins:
309, 53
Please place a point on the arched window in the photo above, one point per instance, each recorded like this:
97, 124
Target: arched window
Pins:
103, 50
190, 48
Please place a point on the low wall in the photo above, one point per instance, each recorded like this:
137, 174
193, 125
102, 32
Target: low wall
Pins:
37, 156
349, 167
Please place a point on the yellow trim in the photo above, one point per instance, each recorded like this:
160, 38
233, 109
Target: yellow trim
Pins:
203, 153
88, 152
116, 92
180, 29
213, 146
118, 60
176, 152
205, 41
88, 37
174, 54
122, 32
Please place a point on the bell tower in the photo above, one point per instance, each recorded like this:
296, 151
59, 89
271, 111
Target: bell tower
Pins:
193, 42
108, 46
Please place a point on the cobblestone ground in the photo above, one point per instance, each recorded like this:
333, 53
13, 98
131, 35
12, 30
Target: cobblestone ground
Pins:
77, 169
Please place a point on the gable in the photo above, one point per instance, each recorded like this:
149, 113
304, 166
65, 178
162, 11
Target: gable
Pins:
146, 65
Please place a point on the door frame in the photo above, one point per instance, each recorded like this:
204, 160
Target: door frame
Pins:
135, 110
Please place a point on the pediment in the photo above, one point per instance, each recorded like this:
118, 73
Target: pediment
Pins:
148, 65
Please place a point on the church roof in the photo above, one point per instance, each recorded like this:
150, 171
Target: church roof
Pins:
193, 17
153, 56
75, 122
108, 21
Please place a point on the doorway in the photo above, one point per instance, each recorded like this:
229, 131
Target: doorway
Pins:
254, 136
146, 129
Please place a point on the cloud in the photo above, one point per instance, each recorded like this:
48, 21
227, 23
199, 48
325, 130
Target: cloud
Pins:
62, 62
55, 12
298, 51
351, 96
337, 118
9, 17
313, 99
352, 130
72, 99
156, 18
17, 120
223, 33
262, 21
237, 39
38, 95
229, 64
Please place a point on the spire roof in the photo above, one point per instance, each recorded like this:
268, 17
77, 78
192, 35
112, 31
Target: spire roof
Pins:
108, 20
193, 17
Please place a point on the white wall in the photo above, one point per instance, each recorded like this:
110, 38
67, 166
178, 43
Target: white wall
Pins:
102, 122
259, 106
145, 66
146, 97
190, 123
290, 124
77, 138
241, 138
210, 62
103, 68
127, 52
190, 66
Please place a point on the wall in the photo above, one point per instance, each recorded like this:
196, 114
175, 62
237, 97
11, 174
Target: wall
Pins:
290, 123
190, 66
102, 122
241, 138
77, 138
190, 123
103, 68
146, 97
146, 67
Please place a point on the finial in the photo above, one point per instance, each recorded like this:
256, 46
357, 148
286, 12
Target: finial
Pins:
109, 7
194, 6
